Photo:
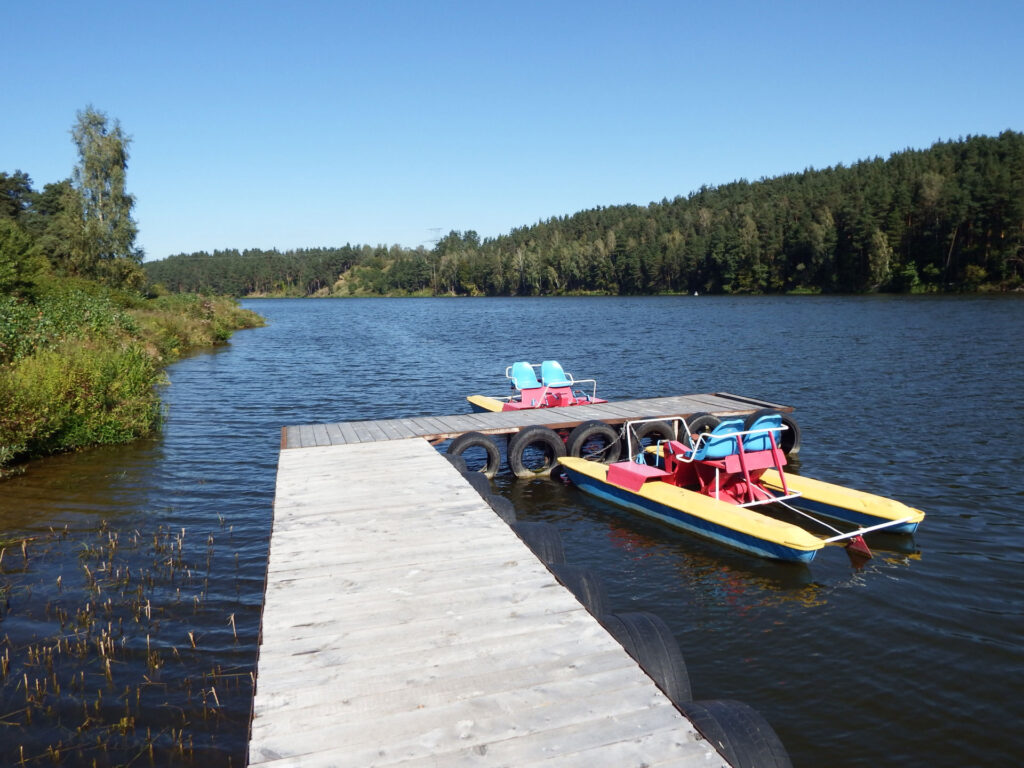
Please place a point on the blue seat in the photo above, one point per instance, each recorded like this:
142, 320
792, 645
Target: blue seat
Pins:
762, 442
721, 441
523, 376
552, 375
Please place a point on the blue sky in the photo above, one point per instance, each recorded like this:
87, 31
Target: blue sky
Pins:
287, 125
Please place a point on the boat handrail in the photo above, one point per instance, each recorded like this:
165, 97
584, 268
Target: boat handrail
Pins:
630, 425
573, 381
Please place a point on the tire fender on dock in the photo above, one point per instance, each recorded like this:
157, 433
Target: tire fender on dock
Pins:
595, 440
479, 481
789, 438
470, 440
585, 585
541, 439
502, 507
740, 733
649, 640
652, 432
701, 424
544, 541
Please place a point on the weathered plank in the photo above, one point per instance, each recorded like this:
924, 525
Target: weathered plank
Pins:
306, 436
335, 435
392, 428
363, 431
349, 433
320, 436
429, 425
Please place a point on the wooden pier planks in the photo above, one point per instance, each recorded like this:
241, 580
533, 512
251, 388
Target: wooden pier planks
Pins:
404, 622
446, 427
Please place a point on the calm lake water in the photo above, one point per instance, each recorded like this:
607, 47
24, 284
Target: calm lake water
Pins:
128, 621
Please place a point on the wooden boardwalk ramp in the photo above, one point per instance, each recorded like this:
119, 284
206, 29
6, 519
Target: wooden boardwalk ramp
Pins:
406, 625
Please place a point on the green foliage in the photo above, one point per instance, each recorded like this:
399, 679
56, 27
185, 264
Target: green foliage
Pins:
80, 349
21, 262
95, 214
255, 272
948, 218
80, 363
174, 324
75, 395
65, 311
15, 193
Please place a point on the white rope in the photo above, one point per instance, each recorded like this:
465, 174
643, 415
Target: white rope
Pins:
839, 534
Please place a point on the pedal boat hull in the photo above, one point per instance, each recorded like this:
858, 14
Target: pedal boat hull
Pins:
737, 527
485, 404
846, 504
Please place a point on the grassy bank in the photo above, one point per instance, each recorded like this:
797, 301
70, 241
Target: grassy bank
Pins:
80, 364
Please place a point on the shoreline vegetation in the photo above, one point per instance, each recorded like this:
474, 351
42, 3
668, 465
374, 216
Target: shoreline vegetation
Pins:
83, 338
82, 365
948, 219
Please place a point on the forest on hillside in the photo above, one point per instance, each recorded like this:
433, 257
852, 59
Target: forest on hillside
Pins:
948, 218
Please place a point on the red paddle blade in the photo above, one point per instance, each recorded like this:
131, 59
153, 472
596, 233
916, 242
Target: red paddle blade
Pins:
858, 546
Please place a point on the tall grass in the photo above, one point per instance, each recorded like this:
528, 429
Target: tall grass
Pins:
175, 324
81, 365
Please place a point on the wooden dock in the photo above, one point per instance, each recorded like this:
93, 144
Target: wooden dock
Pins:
406, 624
439, 428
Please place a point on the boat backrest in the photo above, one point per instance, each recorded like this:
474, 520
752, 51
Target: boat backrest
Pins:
523, 376
721, 441
552, 375
761, 442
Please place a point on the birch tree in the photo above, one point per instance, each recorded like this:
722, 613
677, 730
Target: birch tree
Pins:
102, 230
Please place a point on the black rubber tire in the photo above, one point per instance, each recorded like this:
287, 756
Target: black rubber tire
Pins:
702, 423
585, 585
581, 439
652, 432
740, 734
543, 540
479, 481
536, 436
649, 640
456, 461
462, 443
502, 507
790, 437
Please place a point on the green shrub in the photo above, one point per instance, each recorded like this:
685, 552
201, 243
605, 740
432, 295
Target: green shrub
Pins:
77, 395
79, 363
176, 323
57, 315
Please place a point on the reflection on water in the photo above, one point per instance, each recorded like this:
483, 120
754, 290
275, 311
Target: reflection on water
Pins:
129, 619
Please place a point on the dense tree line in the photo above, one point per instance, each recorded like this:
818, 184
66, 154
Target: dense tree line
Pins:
948, 218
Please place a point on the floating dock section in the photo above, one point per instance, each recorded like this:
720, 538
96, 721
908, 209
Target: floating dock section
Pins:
440, 428
405, 624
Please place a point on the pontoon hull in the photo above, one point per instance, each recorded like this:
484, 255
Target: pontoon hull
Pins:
484, 404
736, 527
846, 504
